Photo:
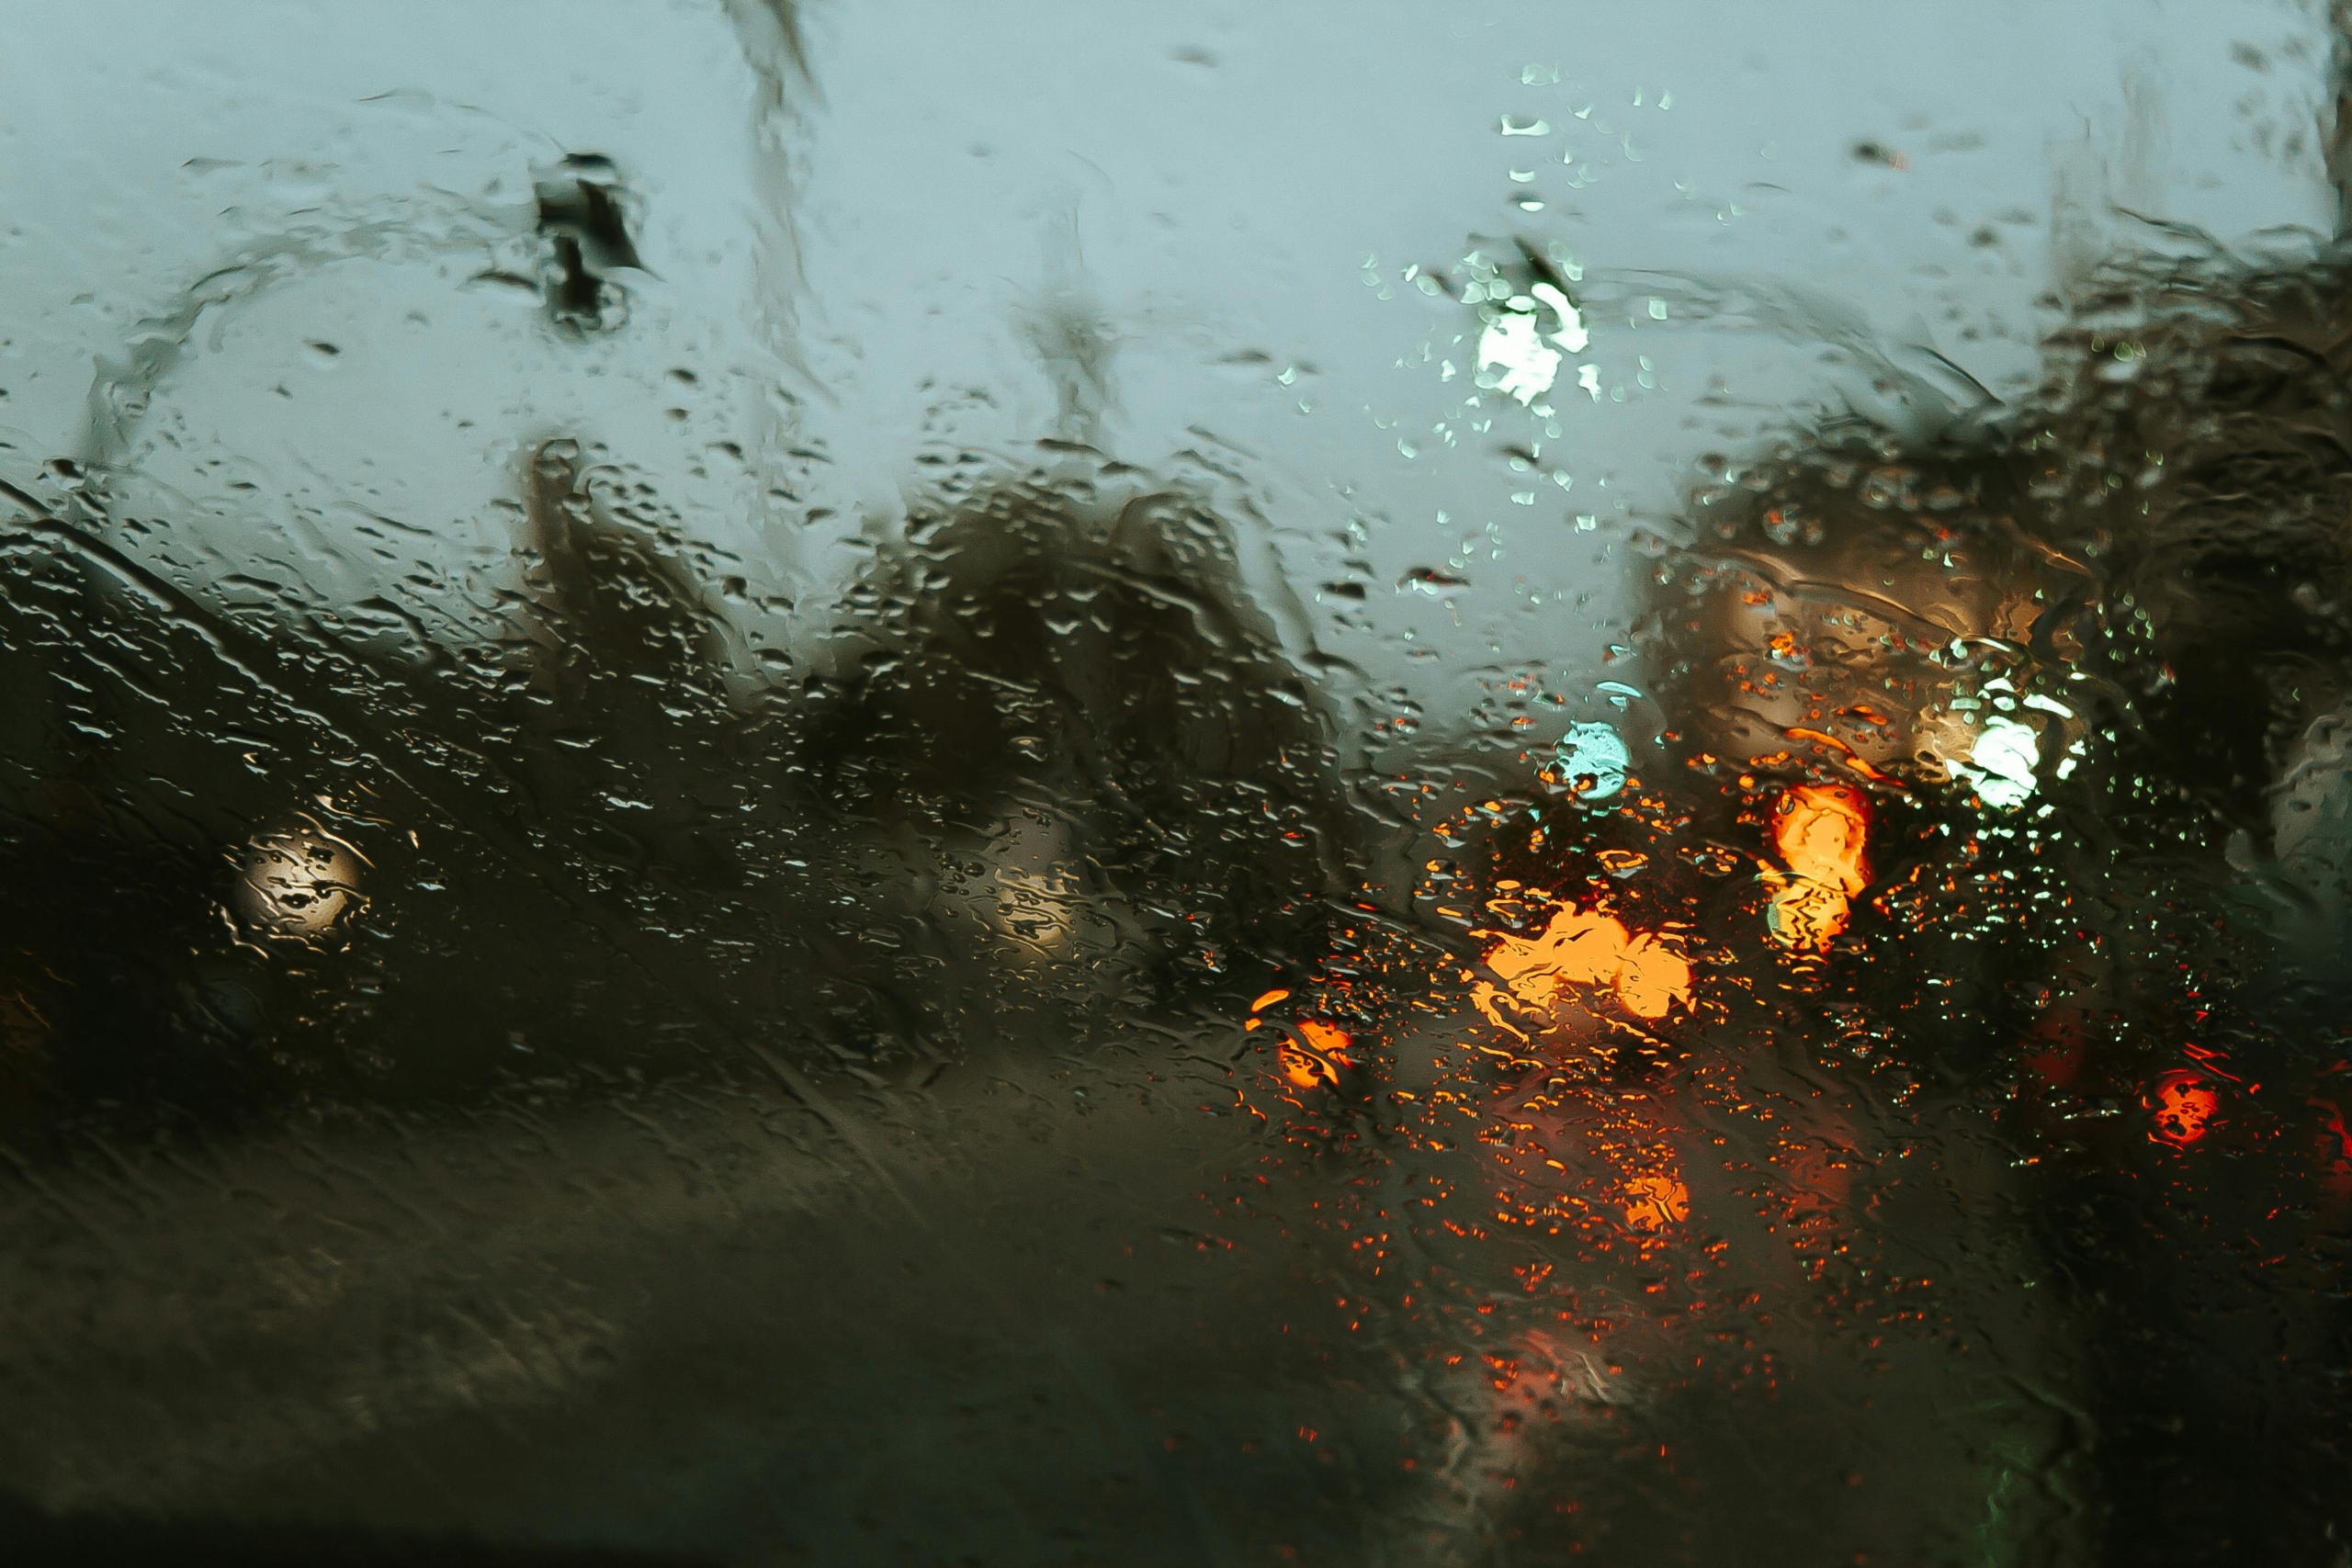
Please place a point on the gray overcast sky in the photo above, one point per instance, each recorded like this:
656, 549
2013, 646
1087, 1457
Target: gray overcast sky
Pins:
1226, 197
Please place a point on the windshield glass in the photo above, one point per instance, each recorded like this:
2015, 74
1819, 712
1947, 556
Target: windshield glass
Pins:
1355, 784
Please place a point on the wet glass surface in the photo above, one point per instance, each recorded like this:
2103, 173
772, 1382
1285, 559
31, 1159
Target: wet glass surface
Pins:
896, 783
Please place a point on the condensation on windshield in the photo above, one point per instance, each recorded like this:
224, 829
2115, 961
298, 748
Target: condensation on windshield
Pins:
1360, 784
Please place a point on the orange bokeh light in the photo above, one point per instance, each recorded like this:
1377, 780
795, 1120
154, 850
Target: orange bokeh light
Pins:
1316, 1055
1583, 950
1821, 833
2185, 1107
1655, 1201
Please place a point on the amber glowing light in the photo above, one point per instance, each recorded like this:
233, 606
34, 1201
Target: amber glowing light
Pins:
1316, 1055
2185, 1106
1583, 951
1821, 833
1655, 1202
